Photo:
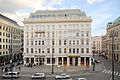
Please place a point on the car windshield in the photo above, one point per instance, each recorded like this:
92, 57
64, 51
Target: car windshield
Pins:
38, 74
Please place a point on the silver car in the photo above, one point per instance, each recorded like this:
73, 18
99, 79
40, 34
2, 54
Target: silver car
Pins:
38, 76
63, 76
11, 74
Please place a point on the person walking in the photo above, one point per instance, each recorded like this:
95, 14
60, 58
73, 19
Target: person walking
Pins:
19, 68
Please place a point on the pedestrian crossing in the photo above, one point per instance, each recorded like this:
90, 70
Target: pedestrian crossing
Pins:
110, 72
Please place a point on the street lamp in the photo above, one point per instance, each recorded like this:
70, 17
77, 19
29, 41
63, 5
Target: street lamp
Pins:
52, 55
113, 35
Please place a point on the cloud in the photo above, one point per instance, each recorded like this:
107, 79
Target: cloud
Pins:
19, 9
94, 1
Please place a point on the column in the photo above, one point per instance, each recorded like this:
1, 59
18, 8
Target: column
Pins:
30, 60
68, 61
73, 61
89, 61
57, 61
62, 61
84, 61
79, 61
35, 60
25, 61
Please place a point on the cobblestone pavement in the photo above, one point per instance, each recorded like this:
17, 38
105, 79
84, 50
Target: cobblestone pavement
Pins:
72, 70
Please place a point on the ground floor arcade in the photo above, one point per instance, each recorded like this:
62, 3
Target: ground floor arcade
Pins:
62, 61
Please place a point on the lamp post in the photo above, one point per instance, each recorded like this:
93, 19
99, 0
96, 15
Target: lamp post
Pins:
52, 55
113, 35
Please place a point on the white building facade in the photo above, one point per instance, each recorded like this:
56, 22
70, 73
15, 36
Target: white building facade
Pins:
63, 36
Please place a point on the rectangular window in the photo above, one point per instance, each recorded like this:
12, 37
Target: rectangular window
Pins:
27, 50
82, 50
31, 42
0, 40
82, 27
31, 27
82, 42
39, 42
0, 27
64, 50
60, 34
64, 42
48, 60
82, 34
40, 27
53, 42
0, 46
48, 27
87, 34
70, 50
59, 50
36, 27
64, 34
0, 33
35, 42
87, 50
42, 42
77, 42
77, 34
59, 27
73, 27
77, 26
87, 42
73, 50
59, 42
53, 50
70, 42
73, 42
87, 27
43, 27
31, 50
53, 27
48, 50
69, 27
64, 27
39, 50
27, 42
77, 50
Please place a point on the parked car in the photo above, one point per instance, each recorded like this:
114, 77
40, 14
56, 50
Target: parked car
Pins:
9, 75
38, 76
81, 79
63, 76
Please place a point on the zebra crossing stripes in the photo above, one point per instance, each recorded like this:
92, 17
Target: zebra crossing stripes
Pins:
110, 72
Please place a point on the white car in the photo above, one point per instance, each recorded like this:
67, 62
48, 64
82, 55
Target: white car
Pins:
11, 74
63, 76
81, 79
38, 76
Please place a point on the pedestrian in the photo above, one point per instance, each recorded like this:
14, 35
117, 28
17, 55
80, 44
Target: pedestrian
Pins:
19, 68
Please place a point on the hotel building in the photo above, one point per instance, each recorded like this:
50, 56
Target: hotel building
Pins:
63, 36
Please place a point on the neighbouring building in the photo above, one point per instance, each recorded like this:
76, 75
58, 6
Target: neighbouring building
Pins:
63, 36
113, 26
104, 46
96, 43
8, 27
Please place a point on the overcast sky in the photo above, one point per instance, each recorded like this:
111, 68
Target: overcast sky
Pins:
101, 11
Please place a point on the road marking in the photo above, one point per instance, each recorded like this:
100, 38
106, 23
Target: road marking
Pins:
104, 70
116, 73
109, 71
119, 74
